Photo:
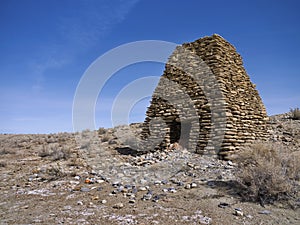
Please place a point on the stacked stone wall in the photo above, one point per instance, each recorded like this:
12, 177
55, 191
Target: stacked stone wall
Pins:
205, 100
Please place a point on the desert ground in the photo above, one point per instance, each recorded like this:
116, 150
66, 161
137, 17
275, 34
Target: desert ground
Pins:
56, 179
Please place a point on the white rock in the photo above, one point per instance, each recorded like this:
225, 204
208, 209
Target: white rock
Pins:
132, 200
142, 188
119, 205
188, 186
74, 182
249, 216
238, 213
172, 190
143, 181
157, 182
193, 185
230, 163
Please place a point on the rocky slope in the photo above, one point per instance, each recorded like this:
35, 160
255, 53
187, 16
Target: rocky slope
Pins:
90, 178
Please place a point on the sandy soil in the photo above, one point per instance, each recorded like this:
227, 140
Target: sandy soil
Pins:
47, 179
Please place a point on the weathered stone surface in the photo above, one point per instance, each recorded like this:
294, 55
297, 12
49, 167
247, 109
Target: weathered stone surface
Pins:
206, 100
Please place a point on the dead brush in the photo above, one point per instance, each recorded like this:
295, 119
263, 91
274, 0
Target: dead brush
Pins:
295, 114
101, 131
61, 153
268, 173
55, 152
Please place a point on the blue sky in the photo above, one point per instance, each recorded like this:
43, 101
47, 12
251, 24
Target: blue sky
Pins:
46, 46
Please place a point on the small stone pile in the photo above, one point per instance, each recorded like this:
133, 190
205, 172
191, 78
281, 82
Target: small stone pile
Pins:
205, 101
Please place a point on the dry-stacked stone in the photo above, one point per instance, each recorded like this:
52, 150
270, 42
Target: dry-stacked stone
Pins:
205, 101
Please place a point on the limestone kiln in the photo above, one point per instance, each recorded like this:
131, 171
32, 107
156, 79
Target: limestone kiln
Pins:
205, 101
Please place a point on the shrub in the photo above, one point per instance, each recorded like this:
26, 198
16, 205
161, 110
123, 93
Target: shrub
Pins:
55, 171
101, 131
85, 144
55, 151
61, 153
295, 114
45, 151
268, 173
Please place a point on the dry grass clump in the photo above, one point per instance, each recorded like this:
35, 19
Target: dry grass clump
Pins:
61, 153
295, 114
55, 152
268, 173
55, 171
101, 131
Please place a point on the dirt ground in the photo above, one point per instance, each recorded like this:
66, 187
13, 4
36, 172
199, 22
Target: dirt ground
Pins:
45, 179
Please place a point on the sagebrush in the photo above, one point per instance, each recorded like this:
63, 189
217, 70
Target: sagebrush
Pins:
101, 131
55, 151
295, 114
268, 173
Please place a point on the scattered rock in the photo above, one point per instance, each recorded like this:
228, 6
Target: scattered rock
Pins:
84, 189
194, 185
147, 196
223, 205
130, 195
120, 189
100, 181
164, 181
157, 182
265, 212
134, 190
74, 182
142, 188
174, 180
77, 177
188, 186
180, 183
209, 171
155, 198
172, 190
116, 184
132, 200
238, 212
113, 142
96, 197
128, 186
190, 165
89, 180
119, 205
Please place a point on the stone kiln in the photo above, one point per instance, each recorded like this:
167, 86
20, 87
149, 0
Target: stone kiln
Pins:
205, 101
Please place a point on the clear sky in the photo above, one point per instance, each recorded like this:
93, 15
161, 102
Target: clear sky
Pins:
46, 46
